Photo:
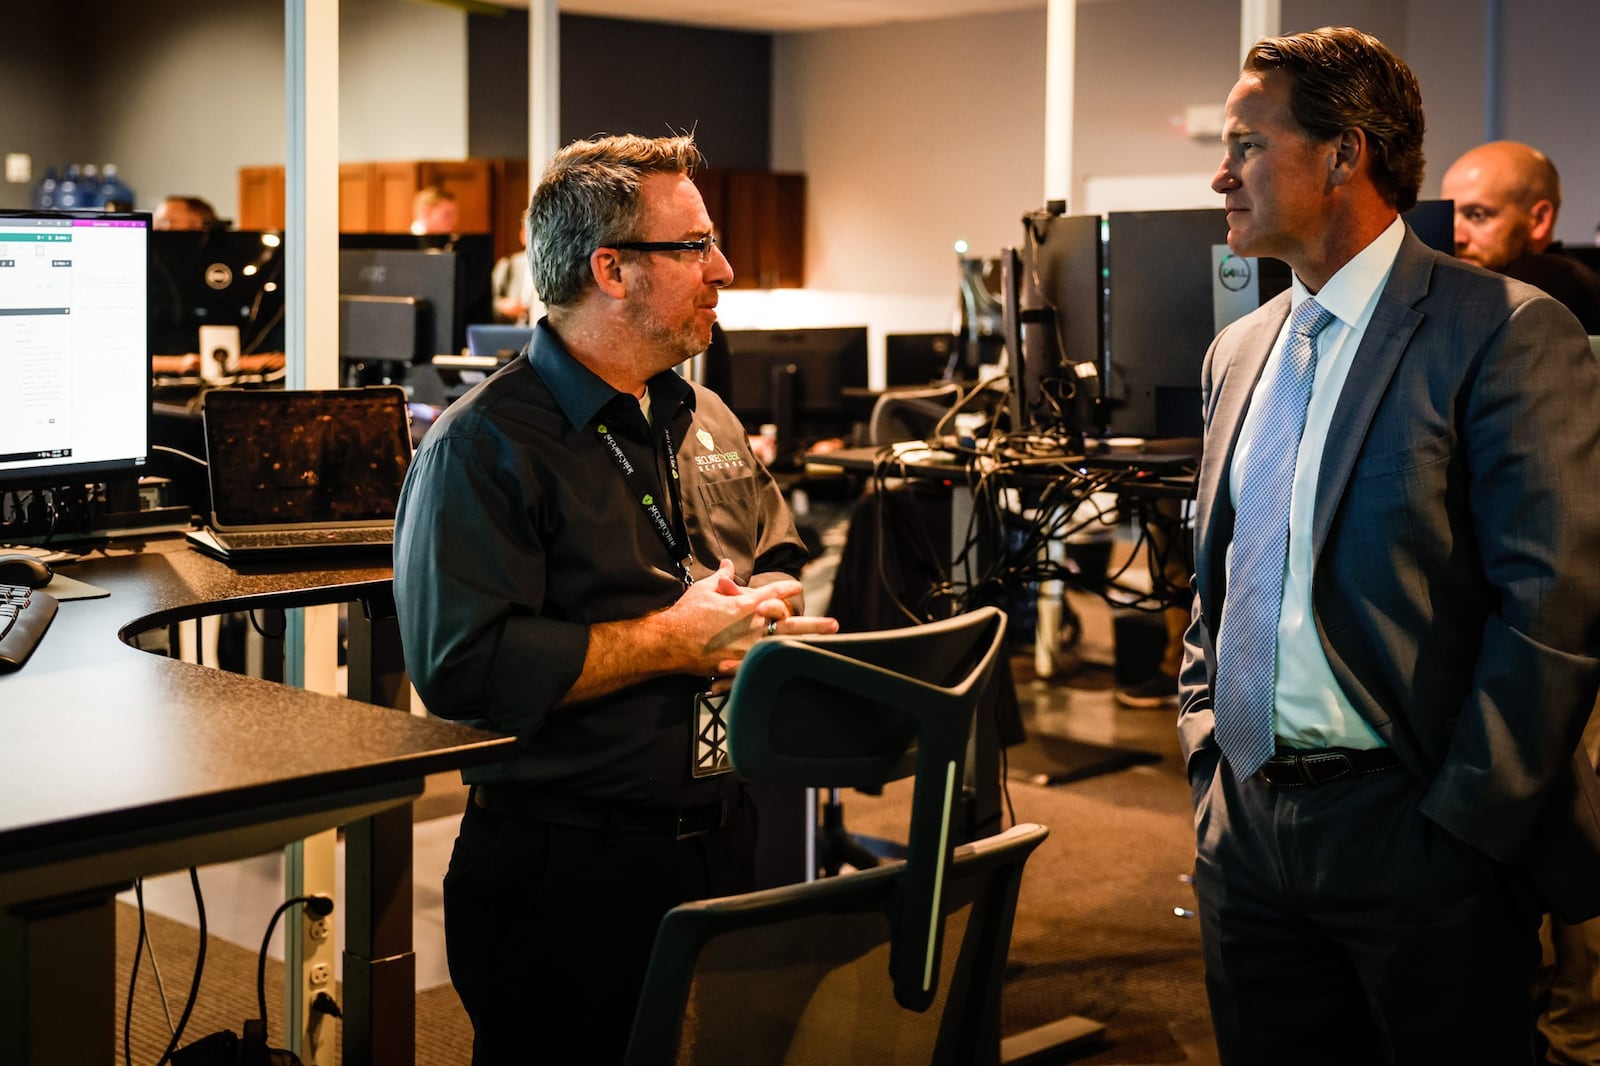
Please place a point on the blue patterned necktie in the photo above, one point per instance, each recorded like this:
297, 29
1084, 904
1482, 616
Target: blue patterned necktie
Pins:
1247, 646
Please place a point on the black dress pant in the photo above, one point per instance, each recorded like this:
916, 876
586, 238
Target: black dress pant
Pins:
549, 928
1342, 926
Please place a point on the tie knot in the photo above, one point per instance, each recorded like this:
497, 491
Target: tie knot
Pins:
1310, 318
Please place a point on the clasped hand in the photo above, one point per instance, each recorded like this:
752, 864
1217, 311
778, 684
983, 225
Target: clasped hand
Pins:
722, 620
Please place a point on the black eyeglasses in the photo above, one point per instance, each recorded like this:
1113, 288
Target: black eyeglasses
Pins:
703, 246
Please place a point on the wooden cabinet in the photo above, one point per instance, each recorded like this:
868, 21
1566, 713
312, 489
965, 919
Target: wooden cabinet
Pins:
760, 219
490, 195
760, 215
261, 198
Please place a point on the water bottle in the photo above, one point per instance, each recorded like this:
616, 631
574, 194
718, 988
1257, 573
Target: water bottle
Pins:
44, 190
89, 186
114, 192
67, 189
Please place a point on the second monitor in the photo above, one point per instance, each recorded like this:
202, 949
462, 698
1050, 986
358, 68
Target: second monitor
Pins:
799, 380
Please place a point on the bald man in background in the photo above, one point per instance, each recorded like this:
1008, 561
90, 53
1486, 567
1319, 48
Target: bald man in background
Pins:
1507, 197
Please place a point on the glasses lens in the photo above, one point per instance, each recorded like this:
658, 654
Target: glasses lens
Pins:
706, 244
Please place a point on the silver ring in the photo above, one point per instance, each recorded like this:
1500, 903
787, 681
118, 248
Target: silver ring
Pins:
772, 628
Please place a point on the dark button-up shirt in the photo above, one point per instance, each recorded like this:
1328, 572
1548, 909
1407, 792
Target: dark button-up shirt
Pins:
516, 532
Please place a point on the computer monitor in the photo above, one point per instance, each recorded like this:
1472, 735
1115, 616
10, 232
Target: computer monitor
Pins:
1172, 286
473, 298
427, 275
1052, 294
793, 378
216, 277
920, 358
74, 351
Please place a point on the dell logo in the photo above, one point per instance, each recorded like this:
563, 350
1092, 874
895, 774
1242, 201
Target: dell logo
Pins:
219, 276
1234, 272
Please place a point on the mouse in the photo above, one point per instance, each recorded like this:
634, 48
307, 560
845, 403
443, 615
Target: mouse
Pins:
24, 570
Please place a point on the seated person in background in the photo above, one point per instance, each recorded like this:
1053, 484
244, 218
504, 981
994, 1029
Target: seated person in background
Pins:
434, 210
511, 282
183, 212
1507, 196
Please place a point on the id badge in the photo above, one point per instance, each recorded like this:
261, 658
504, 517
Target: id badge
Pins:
708, 756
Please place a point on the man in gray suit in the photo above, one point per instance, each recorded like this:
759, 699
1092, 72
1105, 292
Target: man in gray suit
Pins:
1396, 633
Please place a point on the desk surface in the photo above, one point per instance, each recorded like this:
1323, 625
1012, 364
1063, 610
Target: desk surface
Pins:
106, 747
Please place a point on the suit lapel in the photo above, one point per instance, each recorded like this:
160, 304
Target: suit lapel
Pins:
1394, 320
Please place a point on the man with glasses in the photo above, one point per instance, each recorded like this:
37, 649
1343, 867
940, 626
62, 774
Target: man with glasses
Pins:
585, 550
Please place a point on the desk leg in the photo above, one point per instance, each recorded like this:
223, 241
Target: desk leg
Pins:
58, 972
380, 967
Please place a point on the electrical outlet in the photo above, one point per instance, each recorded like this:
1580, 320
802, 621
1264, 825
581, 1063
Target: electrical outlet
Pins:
318, 929
320, 974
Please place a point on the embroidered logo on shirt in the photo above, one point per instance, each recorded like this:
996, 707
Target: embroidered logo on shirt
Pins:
715, 460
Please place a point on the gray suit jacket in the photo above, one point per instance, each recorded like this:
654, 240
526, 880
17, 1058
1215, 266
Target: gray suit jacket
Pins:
1456, 555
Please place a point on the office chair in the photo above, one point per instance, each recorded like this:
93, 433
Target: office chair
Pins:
799, 974
910, 414
855, 711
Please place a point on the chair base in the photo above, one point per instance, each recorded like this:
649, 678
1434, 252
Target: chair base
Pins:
1052, 1042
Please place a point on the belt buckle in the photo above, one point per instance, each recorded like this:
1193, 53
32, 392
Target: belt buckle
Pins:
1338, 761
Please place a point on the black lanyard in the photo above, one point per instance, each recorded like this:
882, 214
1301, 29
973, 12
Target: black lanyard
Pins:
673, 533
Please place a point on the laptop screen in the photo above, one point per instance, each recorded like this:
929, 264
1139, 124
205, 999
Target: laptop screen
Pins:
284, 459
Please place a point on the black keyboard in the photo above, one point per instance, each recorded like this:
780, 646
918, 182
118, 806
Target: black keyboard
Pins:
24, 616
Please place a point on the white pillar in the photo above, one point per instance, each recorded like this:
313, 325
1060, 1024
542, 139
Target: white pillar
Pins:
544, 85
1060, 66
1258, 19
311, 333
311, 193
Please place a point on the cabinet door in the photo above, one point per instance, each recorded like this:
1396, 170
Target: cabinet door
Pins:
355, 197
766, 229
468, 180
510, 204
394, 186
261, 203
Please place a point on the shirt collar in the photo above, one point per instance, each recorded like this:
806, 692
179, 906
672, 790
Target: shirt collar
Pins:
581, 394
1349, 293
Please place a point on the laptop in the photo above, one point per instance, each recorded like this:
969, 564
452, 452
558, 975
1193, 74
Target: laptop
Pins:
502, 343
298, 472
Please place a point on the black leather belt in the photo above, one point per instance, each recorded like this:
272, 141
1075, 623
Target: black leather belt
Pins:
1296, 769
681, 823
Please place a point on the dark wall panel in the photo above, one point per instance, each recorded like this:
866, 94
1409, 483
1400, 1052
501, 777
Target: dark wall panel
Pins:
621, 76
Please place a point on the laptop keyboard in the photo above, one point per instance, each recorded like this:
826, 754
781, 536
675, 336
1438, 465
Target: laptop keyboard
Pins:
295, 538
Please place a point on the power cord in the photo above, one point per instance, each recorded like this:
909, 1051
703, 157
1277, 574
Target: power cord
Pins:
139, 947
319, 904
199, 969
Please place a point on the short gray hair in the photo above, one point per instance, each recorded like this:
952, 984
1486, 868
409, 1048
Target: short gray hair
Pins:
589, 195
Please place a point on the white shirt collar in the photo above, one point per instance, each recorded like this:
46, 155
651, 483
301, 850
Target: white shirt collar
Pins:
1349, 293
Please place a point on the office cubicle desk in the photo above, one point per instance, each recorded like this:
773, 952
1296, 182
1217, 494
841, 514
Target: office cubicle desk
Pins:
116, 763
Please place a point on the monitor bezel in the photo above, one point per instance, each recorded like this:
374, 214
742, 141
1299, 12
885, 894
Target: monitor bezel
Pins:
99, 470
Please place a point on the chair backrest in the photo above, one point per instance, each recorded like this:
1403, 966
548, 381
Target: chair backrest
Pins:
910, 414
797, 975
852, 711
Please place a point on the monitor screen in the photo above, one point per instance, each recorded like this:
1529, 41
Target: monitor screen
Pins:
825, 362
74, 356
216, 277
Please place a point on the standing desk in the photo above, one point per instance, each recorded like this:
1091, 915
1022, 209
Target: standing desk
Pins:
116, 763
